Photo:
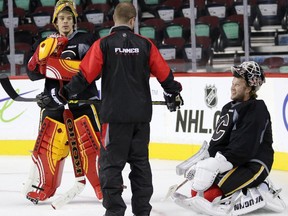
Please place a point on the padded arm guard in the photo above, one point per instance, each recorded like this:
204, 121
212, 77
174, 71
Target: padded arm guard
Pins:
90, 151
48, 156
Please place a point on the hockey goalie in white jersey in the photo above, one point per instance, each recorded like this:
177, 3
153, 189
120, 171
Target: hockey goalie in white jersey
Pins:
229, 176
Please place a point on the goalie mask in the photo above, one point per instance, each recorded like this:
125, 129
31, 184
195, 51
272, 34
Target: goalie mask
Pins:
251, 72
67, 5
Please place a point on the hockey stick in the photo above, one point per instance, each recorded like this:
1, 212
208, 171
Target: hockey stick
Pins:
172, 189
9, 89
76, 160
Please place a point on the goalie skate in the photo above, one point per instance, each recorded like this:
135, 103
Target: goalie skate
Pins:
200, 155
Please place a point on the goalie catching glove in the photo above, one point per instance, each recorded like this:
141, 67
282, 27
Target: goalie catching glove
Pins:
52, 46
206, 171
173, 101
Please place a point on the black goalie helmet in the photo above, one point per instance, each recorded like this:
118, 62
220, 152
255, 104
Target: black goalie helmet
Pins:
250, 71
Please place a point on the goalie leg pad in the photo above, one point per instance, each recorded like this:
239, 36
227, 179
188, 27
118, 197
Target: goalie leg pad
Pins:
90, 151
49, 154
271, 197
236, 204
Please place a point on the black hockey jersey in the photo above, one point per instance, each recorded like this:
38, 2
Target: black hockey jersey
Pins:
244, 133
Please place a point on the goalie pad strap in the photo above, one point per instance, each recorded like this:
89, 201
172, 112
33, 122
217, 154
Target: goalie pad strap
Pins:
48, 156
90, 151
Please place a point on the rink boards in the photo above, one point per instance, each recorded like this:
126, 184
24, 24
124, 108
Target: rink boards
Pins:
174, 136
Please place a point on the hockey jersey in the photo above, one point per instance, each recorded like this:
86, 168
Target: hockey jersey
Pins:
244, 133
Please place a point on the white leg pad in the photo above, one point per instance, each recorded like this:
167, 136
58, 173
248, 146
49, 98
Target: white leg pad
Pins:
273, 201
250, 202
236, 204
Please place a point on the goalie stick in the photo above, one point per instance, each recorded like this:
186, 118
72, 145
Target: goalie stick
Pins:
172, 189
9, 89
76, 160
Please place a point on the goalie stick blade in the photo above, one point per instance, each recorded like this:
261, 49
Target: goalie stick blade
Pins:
172, 189
7, 86
69, 195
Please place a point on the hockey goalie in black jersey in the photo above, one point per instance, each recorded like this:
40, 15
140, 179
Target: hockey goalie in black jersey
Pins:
229, 175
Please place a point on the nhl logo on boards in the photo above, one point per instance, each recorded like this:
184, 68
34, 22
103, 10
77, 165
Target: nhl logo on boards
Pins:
211, 96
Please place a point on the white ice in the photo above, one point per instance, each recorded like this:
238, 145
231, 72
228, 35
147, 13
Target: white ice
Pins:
14, 171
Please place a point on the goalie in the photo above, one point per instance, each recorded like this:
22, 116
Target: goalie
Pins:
51, 146
229, 176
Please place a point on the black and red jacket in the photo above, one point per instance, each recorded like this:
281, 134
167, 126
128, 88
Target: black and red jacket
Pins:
124, 61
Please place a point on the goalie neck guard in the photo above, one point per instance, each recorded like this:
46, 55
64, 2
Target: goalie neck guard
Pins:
67, 5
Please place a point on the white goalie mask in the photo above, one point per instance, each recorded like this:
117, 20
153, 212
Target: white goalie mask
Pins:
250, 71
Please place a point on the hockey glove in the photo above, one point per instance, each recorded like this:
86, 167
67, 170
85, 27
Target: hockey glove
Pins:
207, 170
173, 101
60, 41
57, 98
51, 46
43, 100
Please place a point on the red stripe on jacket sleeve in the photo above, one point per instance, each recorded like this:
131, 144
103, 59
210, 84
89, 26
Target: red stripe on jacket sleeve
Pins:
159, 67
91, 64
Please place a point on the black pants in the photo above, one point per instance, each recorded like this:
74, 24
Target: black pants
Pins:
245, 176
125, 143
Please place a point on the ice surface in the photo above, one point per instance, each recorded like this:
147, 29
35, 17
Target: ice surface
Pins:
14, 171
